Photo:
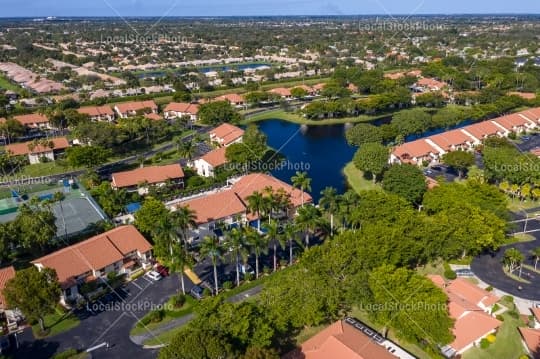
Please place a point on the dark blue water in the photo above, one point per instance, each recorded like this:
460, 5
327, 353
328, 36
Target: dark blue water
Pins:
321, 151
159, 74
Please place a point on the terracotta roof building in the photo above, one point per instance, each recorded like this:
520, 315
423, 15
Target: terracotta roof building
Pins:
483, 130
207, 164
98, 113
468, 305
226, 134
5, 275
415, 152
37, 150
531, 341
233, 98
181, 109
345, 340
96, 257
515, 122
282, 92
33, 120
128, 109
229, 205
151, 175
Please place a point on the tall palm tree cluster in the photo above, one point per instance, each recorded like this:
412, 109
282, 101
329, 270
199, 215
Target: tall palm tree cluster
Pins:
276, 228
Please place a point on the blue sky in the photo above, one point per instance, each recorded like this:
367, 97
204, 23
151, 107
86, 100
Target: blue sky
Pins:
34, 8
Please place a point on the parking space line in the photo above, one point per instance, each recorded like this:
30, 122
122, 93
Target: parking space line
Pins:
136, 285
148, 280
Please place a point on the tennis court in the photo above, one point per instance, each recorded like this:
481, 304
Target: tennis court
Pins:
75, 214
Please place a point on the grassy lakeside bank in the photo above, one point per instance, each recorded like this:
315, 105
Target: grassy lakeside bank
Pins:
294, 118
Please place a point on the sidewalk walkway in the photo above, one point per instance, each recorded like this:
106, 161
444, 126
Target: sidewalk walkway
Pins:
179, 322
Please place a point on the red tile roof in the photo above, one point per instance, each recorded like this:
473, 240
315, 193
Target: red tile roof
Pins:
471, 327
18, 149
150, 175
232, 98
524, 95
532, 114
182, 107
94, 253
5, 275
415, 149
281, 91
448, 139
531, 337
215, 206
232, 201
136, 106
31, 119
153, 116
472, 293
341, 341
483, 129
251, 183
94, 111
431, 83
216, 157
227, 133
509, 122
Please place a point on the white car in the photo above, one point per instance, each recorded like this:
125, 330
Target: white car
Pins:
153, 275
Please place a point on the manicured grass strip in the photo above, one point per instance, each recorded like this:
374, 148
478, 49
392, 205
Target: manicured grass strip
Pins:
507, 343
357, 181
293, 117
6, 84
56, 323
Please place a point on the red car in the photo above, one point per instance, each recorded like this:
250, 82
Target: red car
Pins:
163, 271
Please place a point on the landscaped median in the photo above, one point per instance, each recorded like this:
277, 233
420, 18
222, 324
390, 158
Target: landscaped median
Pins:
159, 326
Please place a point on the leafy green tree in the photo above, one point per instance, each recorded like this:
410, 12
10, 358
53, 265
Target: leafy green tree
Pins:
87, 156
459, 160
413, 121
363, 133
513, 259
298, 92
255, 142
151, 212
197, 343
187, 149
36, 227
372, 158
36, 293
260, 353
214, 113
411, 304
301, 181
407, 181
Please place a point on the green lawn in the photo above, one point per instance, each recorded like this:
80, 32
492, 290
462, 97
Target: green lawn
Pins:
357, 181
432, 268
56, 323
6, 84
165, 337
44, 169
171, 314
507, 345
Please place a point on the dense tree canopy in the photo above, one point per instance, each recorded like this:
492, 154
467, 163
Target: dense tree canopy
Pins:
407, 181
372, 158
214, 113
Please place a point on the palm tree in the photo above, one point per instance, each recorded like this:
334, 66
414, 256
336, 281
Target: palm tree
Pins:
290, 234
536, 255
256, 204
258, 244
513, 258
184, 218
329, 202
309, 217
303, 182
235, 242
210, 248
272, 234
187, 150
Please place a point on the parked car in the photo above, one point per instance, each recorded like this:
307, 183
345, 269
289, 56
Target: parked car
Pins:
464, 273
196, 292
245, 269
153, 275
163, 271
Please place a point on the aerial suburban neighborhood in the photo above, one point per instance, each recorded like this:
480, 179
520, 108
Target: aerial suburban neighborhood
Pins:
249, 180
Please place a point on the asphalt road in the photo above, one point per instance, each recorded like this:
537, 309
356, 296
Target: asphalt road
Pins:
526, 146
488, 267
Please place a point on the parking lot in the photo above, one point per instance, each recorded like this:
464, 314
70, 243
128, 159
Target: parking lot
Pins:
440, 170
107, 320
528, 142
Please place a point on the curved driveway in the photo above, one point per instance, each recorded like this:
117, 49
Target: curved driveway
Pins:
488, 267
